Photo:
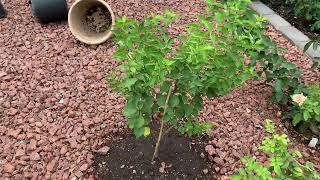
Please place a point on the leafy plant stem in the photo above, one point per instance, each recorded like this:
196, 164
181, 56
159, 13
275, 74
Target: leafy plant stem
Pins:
156, 150
301, 165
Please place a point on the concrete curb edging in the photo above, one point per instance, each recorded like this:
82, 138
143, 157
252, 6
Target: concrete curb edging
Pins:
280, 24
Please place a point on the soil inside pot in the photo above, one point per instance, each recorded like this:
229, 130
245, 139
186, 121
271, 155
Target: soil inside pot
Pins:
130, 158
287, 12
98, 19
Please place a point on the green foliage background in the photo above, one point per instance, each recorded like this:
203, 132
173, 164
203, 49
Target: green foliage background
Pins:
309, 9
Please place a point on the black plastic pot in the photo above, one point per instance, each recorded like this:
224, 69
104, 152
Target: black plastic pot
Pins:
3, 12
47, 11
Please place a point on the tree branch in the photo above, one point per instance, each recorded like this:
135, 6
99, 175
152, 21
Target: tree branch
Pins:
156, 150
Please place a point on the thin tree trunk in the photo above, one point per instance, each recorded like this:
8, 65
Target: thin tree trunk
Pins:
156, 150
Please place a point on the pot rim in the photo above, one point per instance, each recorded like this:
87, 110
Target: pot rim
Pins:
98, 41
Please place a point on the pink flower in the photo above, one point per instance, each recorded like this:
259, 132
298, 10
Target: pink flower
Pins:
299, 98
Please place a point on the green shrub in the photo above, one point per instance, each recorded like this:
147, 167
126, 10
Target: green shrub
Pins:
248, 28
199, 66
156, 77
282, 75
309, 9
282, 163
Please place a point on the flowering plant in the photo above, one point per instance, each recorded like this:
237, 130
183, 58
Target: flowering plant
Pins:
306, 109
299, 98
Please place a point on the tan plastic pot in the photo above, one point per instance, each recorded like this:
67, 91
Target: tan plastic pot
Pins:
77, 20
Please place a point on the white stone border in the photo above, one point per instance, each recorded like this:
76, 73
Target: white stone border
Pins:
280, 24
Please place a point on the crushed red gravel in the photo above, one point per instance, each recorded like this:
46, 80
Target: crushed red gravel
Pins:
55, 108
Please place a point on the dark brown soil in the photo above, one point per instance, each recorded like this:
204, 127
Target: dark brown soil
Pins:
98, 19
287, 12
130, 158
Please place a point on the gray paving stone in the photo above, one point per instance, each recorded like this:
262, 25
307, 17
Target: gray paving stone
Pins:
260, 8
277, 21
293, 34
300, 44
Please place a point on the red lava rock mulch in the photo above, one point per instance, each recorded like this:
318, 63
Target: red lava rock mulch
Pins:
55, 107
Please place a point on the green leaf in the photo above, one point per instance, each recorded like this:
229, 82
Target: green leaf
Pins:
146, 131
130, 82
138, 132
279, 96
184, 99
168, 62
139, 122
179, 112
236, 177
165, 87
206, 126
219, 16
147, 105
131, 123
188, 109
306, 47
130, 109
306, 115
269, 126
167, 117
297, 153
161, 100
170, 14
278, 85
289, 66
315, 64
298, 172
174, 101
277, 169
317, 111
197, 103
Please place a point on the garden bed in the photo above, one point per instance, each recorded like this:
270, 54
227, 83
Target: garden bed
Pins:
56, 109
287, 12
179, 158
